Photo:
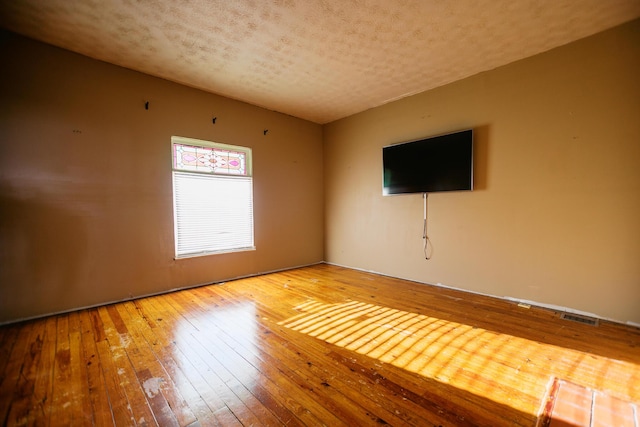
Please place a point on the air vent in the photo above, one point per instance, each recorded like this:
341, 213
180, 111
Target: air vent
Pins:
580, 319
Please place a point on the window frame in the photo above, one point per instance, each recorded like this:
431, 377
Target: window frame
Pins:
247, 176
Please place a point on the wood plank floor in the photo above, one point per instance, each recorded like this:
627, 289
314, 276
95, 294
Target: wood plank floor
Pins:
320, 345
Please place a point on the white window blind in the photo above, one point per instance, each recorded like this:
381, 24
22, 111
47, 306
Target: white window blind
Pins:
213, 211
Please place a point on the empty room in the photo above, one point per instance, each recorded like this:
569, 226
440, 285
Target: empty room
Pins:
323, 212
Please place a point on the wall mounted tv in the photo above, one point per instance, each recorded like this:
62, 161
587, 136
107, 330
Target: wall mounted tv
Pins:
439, 163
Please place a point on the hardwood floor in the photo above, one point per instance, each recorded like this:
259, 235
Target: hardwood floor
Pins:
320, 345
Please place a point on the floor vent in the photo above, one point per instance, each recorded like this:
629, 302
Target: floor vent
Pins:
580, 319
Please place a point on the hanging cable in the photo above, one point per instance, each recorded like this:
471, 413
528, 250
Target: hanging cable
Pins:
425, 238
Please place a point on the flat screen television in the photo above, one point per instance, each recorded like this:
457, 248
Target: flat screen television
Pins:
439, 163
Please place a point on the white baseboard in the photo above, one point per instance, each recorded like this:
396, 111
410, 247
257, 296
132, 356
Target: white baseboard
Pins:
504, 298
135, 297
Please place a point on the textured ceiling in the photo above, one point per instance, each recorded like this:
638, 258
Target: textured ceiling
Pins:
319, 60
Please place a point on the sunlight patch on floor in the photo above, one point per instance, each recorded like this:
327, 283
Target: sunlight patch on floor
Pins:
480, 361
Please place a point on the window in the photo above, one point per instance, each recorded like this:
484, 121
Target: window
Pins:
212, 197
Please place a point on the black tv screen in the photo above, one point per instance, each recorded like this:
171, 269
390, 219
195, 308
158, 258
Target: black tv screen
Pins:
439, 163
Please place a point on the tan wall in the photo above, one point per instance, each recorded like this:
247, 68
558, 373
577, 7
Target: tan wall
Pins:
85, 182
555, 217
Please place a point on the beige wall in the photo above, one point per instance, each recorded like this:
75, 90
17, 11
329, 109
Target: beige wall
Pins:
85, 182
555, 217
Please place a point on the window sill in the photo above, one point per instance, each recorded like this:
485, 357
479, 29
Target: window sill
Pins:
208, 253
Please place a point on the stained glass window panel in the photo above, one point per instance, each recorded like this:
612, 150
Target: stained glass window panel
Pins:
209, 160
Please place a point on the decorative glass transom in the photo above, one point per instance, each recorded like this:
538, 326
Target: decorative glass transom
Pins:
209, 160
